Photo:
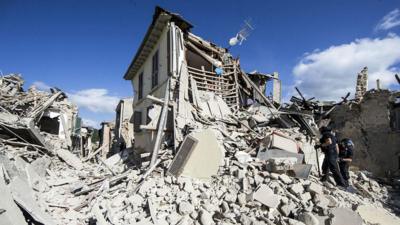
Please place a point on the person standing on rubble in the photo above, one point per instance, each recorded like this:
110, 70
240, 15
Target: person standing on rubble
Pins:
330, 148
346, 148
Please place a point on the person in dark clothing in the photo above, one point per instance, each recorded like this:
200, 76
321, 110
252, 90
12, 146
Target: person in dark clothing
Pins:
346, 149
330, 148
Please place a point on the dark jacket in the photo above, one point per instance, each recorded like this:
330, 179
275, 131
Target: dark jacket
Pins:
329, 150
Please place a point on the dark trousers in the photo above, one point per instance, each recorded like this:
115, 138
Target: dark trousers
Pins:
344, 171
330, 163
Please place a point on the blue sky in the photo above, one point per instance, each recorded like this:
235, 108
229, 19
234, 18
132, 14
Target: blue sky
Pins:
85, 47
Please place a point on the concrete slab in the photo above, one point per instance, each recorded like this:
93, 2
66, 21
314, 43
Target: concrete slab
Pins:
374, 215
278, 153
302, 170
23, 196
198, 157
266, 196
36, 182
70, 159
12, 215
315, 188
280, 142
345, 216
41, 164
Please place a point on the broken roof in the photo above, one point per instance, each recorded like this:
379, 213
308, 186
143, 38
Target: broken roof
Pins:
160, 19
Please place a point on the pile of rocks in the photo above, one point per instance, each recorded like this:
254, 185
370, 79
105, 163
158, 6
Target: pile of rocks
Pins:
240, 194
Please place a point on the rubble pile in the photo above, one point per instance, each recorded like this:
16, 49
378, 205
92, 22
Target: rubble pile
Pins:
241, 193
36, 118
240, 168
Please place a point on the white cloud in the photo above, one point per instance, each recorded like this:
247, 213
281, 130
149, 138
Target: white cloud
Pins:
41, 85
91, 123
331, 73
95, 100
390, 20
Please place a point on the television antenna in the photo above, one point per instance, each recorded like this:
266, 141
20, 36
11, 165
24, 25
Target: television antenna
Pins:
243, 34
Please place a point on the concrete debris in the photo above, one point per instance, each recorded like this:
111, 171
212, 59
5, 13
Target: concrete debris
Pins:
24, 197
266, 196
11, 214
376, 215
70, 158
202, 144
283, 143
308, 218
198, 148
345, 216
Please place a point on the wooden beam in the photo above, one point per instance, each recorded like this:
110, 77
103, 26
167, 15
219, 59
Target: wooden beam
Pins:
161, 124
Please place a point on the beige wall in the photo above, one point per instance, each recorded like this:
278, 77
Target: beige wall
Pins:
145, 138
158, 91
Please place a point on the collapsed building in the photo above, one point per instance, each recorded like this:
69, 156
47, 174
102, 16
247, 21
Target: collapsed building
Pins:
208, 147
372, 121
36, 116
172, 62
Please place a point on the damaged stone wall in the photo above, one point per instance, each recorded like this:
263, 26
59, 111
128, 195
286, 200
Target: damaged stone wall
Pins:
368, 124
123, 125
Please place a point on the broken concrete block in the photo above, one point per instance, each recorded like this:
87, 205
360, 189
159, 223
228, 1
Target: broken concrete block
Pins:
374, 215
11, 215
278, 153
302, 171
41, 164
285, 178
333, 202
280, 142
36, 182
281, 164
305, 197
206, 218
315, 188
345, 216
196, 149
295, 222
242, 199
23, 196
308, 218
286, 209
274, 176
243, 157
185, 208
296, 189
230, 197
70, 159
321, 201
266, 196
188, 186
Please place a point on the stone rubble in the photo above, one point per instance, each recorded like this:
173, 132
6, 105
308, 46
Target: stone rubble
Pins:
274, 199
58, 187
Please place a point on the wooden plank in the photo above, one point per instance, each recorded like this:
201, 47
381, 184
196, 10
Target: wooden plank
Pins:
161, 125
94, 153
